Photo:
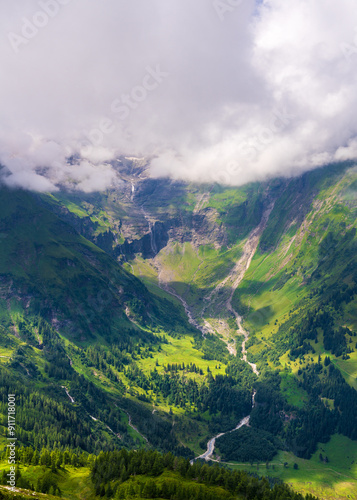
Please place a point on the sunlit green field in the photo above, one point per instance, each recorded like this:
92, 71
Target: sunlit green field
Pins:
334, 480
74, 483
180, 350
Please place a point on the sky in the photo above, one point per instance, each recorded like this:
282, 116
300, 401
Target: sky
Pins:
228, 91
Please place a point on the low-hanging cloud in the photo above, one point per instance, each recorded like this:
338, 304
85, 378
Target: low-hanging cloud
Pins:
211, 90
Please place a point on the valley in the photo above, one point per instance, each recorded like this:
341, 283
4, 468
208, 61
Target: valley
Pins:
148, 316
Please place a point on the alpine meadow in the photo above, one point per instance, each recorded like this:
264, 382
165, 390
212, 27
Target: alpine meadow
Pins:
178, 250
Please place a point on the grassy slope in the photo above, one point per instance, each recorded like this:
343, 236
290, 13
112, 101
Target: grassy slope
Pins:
33, 256
49, 271
276, 283
332, 480
335, 479
280, 280
73, 482
55, 268
290, 264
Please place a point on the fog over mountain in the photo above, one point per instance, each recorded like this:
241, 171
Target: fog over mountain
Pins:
210, 90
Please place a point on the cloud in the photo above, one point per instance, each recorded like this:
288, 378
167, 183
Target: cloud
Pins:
227, 90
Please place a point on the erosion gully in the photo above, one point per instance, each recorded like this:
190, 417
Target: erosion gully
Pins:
235, 277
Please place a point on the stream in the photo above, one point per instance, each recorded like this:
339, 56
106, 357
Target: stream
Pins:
68, 394
211, 443
235, 277
150, 224
191, 319
207, 455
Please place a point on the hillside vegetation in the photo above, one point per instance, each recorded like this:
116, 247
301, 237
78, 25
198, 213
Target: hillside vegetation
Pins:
119, 319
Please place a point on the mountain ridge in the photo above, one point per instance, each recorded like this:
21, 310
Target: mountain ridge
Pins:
296, 297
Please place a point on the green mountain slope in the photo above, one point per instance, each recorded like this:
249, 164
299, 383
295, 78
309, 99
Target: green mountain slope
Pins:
119, 356
97, 359
72, 321
297, 297
60, 275
306, 271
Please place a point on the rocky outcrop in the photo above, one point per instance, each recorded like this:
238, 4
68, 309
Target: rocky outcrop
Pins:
200, 229
149, 245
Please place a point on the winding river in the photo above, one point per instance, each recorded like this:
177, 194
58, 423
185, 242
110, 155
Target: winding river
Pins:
207, 455
235, 277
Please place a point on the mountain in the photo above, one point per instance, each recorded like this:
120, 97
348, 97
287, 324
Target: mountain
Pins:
54, 272
126, 312
65, 306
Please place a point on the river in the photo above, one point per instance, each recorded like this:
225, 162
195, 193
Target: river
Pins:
235, 277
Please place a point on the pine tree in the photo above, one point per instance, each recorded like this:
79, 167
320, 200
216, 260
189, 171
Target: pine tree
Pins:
109, 492
35, 458
53, 461
149, 490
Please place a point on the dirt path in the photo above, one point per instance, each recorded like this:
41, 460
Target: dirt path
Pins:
107, 426
135, 429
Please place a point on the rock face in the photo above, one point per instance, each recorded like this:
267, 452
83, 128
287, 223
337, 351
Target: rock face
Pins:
106, 241
149, 245
143, 214
199, 229
87, 228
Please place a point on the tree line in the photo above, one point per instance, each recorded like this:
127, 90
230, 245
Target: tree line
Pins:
149, 474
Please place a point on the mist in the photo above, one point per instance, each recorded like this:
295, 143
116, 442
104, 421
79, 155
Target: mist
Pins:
227, 91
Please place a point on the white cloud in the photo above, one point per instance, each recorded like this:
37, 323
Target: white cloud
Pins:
348, 152
262, 89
